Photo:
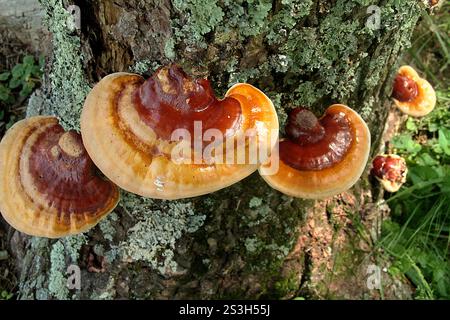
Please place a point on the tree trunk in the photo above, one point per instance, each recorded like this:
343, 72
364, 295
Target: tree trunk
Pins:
246, 241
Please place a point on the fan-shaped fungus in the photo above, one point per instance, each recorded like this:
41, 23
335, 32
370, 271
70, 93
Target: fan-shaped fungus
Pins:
412, 94
390, 170
128, 127
48, 184
320, 157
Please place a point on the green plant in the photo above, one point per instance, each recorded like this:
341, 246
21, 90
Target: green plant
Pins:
430, 49
15, 86
22, 78
418, 234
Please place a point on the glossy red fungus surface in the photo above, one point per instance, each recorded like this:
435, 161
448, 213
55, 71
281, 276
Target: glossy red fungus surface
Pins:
405, 89
315, 144
390, 168
63, 171
171, 100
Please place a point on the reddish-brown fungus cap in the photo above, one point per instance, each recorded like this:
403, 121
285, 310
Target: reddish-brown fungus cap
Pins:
48, 184
412, 94
127, 125
390, 170
320, 157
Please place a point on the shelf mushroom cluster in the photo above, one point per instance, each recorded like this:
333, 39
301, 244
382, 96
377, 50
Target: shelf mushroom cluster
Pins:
52, 184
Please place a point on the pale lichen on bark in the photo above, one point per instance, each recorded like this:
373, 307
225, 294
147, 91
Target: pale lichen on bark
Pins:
68, 87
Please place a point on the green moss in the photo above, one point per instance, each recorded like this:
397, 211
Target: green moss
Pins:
66, 247
73, 245
57, 279
169, 49
367, 108
68, 85
286, 18
107, 227
201, 17
107, 293
252, 245
327, 61
307, 94
254, 20
288, 286
144, 66
255, 202
269, 229
258, 215
99, 249
159, 225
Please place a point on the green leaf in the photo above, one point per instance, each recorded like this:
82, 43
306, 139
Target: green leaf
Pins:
433, 127
406, 143
425, 159
419, 174
14, 83
28, 60
36, 71
26, 89
4, 76
411, 125
27, 72
17, 71
4, 93
444, 140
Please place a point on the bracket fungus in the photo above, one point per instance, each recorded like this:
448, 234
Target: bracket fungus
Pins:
130, 127
49, 187
390, 170
412, 94
320, 157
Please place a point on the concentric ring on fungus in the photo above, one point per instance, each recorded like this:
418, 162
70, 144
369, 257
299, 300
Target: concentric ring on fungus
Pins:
320, 157
49, 187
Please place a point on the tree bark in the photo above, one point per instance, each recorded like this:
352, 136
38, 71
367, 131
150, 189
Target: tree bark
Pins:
247, 241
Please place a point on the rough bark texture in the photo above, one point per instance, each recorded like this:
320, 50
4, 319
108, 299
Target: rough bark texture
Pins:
247, 241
